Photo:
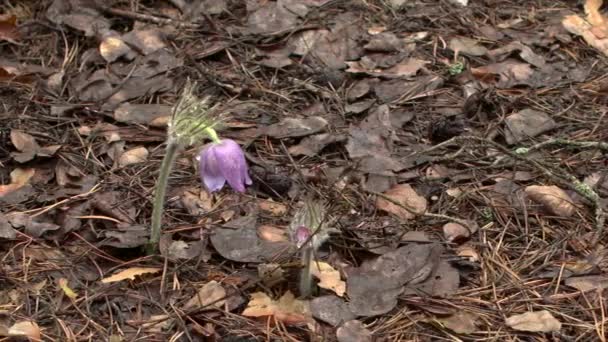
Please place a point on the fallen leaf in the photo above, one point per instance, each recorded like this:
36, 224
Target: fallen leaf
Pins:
26, 144
526, 124
587, 283
130, 273
271, 274
405, 69
147, 114
182, 250
331, 309
210, 295
19, 178
312, 146
405, 195
534, 321
133, 156
455, 231
329, 277
552, 198
287, 309
272, 233
27, 329
63, 284
197, 201
292, 127
510, 73
156, 323
353, 331
145, 41
461, 322
6, 230
525, 52
8, 28
113, 47
468, 252
273, 208
467, 46
593, 28
130, 237
238, 240
31, 226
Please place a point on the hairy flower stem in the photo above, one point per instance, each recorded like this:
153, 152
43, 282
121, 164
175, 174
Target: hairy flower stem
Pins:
159, 194
212, 135
306, 274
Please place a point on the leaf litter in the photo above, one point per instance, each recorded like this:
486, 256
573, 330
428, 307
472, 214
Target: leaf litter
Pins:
334, 99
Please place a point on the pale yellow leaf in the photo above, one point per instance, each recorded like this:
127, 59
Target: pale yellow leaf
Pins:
535, 321
26, 329
212, 294
133, 156
329, 278
405, 195
130, 273
63, 284
287, 309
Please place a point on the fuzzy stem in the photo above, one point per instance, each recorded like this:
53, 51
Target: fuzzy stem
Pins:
306, 275
213, 135
159, 195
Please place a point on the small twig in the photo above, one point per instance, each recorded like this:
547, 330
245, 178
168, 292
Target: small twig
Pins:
567, 143
147, 17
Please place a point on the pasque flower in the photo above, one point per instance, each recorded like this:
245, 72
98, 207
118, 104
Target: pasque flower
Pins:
223, 161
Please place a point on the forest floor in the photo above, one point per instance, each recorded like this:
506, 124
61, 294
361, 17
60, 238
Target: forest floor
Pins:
461, 152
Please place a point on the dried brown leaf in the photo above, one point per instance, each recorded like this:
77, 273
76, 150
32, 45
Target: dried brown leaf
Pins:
273, 208
211, 294
405, 195
552, 198
130, 273
8, 28
27, 329
19, 178
287, 309
133, 156
534, 321
329, 277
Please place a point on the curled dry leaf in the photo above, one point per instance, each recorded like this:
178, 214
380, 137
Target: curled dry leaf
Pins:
405, 195
455, 231
353, 331
19, 178
133, 156
210, 294
273, 208
287, 309
534, 321
130, 273
27, 329
329, 277
552, 198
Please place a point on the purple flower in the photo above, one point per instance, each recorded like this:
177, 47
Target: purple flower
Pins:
302, 235
223, 162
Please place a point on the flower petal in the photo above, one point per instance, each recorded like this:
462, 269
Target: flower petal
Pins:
232, 164
210, 173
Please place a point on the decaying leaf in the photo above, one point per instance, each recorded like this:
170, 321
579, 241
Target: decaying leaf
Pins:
133, 156
353, 331
292, 127
586, 283
454, 231
552, 198
6, 230
467, 46
526, 124
112, 47
461, 322
329, 277
148, 114
510, 73
26, 144
287, 309
272, 233
405, 195
130, 273
212, 294
19, 178
331, 309
593, 28
27, 329
271, 274
8, 28
273, 208
534, 321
